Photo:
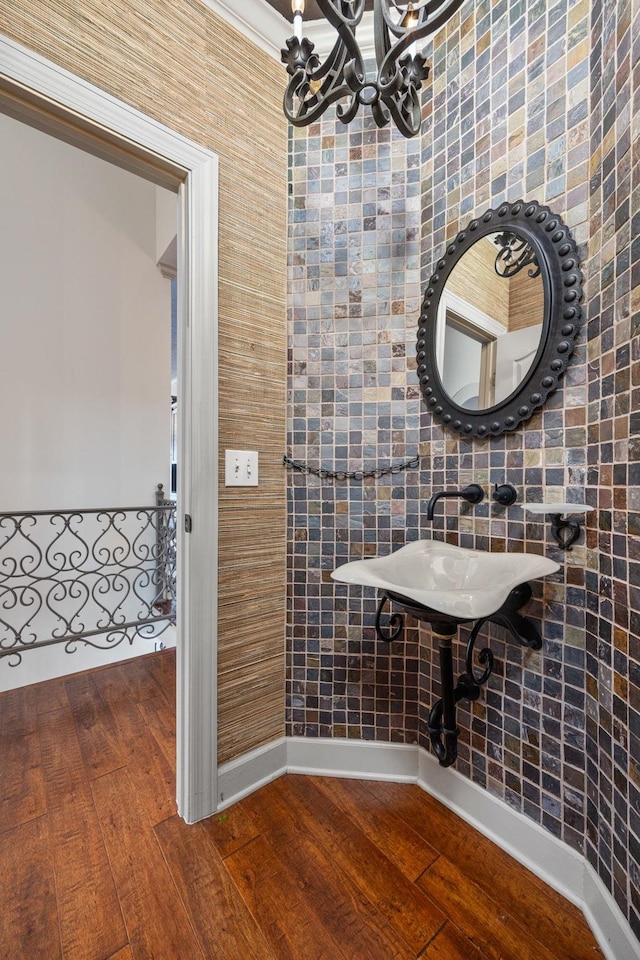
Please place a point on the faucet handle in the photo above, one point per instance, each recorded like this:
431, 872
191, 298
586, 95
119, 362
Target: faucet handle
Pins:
505, 494
474, 493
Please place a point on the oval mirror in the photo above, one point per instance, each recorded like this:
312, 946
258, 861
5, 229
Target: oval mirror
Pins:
499, 320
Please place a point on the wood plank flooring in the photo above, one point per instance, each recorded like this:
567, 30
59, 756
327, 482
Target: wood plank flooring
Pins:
98, 866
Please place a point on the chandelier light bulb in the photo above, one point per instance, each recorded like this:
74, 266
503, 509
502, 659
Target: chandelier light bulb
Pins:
409, 22
297, 7
410, 19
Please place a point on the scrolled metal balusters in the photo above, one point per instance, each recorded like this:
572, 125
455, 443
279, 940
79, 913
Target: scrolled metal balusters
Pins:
96, 576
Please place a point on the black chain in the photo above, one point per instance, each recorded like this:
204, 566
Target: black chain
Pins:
376, 472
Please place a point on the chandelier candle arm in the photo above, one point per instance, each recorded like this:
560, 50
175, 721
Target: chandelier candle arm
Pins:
400, 69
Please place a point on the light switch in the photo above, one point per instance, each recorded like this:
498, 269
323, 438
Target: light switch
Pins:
241, 468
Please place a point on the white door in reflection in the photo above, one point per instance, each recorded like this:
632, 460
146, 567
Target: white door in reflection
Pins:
515, 354
468, 372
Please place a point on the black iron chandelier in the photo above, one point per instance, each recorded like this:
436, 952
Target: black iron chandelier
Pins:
514, 254
401, 70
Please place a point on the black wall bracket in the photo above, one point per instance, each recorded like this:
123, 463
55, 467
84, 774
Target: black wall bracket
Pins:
564, 531
441, 725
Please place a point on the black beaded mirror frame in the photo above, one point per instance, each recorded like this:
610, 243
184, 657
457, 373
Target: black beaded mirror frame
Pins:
557, 256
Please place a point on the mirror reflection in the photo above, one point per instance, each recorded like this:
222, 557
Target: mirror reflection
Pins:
490, 321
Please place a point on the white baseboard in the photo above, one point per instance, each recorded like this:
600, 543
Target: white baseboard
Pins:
357, 759
530, 844
606, 919
239, 778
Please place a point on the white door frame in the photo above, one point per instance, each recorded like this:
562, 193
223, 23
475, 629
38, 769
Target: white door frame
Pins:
43, 94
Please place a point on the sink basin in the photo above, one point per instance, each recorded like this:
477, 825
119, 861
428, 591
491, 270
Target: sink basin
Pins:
460, 583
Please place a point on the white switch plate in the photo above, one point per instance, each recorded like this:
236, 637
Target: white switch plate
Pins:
241, 468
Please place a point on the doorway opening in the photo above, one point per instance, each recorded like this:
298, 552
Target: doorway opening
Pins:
49, 98
87, 536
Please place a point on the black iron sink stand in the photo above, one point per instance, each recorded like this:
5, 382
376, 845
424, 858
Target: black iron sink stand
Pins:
442, 725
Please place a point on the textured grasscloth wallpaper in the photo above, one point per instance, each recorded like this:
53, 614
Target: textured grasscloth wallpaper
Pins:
176, 62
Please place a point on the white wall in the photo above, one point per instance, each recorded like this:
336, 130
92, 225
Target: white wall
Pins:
84, 345
84, 329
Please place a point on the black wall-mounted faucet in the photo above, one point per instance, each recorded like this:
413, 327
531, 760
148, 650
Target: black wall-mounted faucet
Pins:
472, 494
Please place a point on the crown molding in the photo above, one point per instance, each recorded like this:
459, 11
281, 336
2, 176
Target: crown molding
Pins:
324, 35
256, 20
262, 25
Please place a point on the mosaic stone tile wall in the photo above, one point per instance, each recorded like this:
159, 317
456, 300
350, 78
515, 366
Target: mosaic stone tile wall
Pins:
527, 100
355, 279
507, 117
613, 460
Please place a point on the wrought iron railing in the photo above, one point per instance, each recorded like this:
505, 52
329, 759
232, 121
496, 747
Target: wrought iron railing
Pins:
95, 577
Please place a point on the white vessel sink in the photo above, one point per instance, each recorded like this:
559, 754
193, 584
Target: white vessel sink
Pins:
462, 583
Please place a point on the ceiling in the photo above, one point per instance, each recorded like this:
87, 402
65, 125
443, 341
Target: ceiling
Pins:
311, 10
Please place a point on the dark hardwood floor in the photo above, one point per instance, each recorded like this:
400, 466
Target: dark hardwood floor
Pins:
97, 865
